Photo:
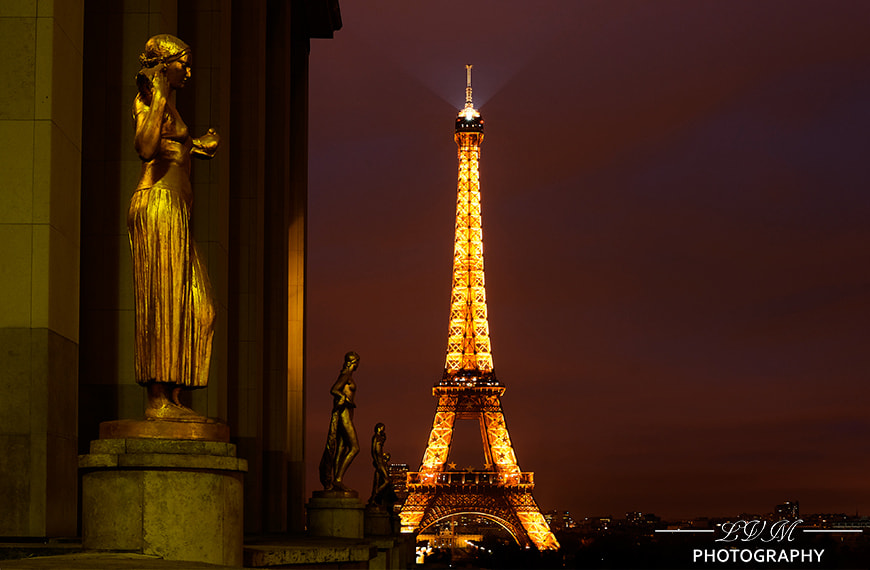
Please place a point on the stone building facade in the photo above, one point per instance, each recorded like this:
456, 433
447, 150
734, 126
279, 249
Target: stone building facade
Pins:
68, 170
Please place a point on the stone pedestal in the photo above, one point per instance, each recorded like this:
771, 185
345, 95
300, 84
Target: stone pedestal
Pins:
335, 514
382, 530
180, 500
166, 429
378, 522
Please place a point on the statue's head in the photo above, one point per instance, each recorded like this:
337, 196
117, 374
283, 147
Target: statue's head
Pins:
379, 427
162, 48
165, 52
351, 360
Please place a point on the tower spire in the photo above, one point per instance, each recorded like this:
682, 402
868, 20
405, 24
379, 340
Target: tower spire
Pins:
468, 103
469, 356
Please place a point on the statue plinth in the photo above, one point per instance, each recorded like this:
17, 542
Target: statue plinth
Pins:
336, 494
177, 499
335, 513
192, 429
378, 522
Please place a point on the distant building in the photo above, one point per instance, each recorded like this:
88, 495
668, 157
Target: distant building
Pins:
637, 517
827, 520
852, 523
567, 520
596, 523
449, 537
560, 520
702, 523
788, 510
398, 473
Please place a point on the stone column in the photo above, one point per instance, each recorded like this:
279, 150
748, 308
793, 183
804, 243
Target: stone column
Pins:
40, 161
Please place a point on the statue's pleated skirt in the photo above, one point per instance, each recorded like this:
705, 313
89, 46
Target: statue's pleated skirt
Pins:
174, 305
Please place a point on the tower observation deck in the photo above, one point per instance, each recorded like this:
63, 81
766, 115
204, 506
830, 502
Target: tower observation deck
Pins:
469, 388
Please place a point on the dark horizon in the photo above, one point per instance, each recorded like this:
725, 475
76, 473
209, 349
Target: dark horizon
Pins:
677, 227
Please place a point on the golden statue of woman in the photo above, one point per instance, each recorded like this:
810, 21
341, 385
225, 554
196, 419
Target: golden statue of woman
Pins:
342, 444
174, 307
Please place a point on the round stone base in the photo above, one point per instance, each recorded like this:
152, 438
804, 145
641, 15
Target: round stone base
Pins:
166, 429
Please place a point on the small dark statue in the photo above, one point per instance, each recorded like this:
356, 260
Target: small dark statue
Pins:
383, 494
341, 441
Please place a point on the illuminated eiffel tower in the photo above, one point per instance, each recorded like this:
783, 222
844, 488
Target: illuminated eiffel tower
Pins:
469, 388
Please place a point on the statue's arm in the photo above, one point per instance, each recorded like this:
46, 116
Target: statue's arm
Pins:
149, 119
338, 389
206, 146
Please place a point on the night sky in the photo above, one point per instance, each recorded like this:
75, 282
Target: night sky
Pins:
676, 210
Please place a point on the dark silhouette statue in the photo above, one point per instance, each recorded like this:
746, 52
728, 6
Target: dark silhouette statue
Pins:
341, 441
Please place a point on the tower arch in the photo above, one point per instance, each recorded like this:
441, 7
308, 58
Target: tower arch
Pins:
512, 528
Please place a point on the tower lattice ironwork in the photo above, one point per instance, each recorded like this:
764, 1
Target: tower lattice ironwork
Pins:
469, 388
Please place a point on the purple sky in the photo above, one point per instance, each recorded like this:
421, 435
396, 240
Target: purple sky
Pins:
676, 209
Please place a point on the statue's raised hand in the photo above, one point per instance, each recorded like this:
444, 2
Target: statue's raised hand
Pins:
153, 81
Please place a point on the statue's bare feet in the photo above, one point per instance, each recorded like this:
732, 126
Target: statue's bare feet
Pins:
175, 393
163, 404
172, 411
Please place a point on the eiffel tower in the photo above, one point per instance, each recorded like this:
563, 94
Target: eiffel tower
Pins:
469, 388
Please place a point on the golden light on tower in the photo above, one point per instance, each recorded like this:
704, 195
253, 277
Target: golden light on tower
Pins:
469, 354
469, 388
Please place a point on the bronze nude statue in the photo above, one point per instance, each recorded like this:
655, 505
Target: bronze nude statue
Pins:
341, 441
383, 495
174, 307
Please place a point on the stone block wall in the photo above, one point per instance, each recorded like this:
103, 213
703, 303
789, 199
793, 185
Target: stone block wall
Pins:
40, 158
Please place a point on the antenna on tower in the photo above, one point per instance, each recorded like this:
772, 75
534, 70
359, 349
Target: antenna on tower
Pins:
468, 103
468, 119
